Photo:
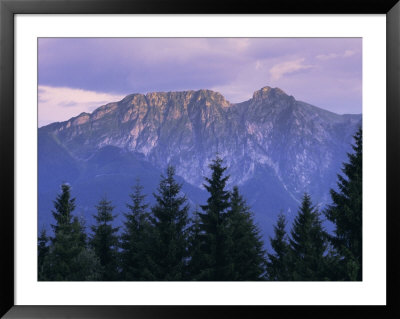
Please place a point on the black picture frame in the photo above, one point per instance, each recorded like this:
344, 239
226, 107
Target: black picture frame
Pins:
8, 9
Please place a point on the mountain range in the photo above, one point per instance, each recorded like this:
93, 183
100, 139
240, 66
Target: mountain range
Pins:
275, 147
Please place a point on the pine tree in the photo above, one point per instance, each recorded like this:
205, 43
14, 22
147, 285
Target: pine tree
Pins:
136, 239
308, 244
84, 265
244, 240
64, 205
170, 221
213, 227
278, 263
43, 252
196, 262
69, 257
346, 214
87, 266
104, 241
67, 242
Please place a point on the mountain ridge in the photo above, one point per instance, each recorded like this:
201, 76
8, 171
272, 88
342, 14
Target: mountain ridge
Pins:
272, 140
258, 94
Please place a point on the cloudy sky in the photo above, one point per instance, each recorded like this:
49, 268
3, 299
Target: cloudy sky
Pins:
80, 74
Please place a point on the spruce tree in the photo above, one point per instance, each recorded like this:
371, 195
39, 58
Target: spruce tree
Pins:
196, 262
308, 244
104, 240
85, 265
136, 239
244, 240
64, 205
213, 227
43, 252
67, 241
346, 214
170, 221
69, 258
278, 263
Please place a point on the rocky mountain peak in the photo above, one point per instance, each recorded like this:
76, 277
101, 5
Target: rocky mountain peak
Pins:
211, 96
268, 92
184, 97
181, 97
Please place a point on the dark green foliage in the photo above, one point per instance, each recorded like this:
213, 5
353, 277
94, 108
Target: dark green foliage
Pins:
346, 214
278, 263
86, 266
104, 241
225, 243
213, 236
307, 244
245, 244
68, 240
43, 252
196, 263
170, 222
136, 239
68, 257
64, 205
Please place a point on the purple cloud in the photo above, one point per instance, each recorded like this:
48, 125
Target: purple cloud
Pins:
67, 103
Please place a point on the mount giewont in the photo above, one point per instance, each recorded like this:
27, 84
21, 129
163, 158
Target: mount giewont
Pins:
275, 147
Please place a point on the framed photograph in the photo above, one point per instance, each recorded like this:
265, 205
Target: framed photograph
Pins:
167, 159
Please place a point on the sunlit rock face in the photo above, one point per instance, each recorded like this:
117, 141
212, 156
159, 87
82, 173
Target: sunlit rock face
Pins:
276, 147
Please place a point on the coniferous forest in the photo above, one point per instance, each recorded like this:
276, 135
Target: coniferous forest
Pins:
218, 242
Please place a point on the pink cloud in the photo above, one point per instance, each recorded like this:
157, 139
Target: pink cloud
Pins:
57, 104
287, 67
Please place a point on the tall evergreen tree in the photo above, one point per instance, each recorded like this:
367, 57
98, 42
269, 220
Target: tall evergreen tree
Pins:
67, 242
308, 244
64, 206
85, 265
104, 241
43, 252
278, 263
69, 258
196, 260
213, 227
346, 214
245, 243
136, 239
170, 221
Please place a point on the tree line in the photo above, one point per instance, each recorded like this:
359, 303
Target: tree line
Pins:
221, 242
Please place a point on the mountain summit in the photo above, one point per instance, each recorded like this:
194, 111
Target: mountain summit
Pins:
276, 147
268, 93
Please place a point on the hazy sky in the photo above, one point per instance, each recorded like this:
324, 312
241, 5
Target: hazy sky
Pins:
80, 74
